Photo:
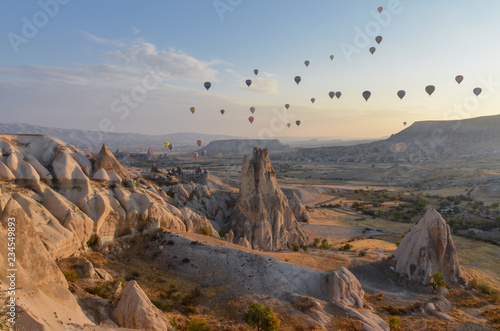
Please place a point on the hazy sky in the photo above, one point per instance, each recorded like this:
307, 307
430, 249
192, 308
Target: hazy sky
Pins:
138, 66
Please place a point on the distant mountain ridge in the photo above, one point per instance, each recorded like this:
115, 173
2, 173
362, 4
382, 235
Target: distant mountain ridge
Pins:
91, 141
421, 141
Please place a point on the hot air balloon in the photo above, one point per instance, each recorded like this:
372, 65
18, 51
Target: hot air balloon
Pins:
192, 109
312, 100
477, 91
251, 119
378, 39
287, 106
404, 123
222, 111
199, 142
297, 122
252, 109
256, 71
372, 50
380, 9
207, 85
297, 79
306, 62
331, 57
459, 79
288, 124
195, 155
204, 153
171, 147
366, 95
331, 94
338, 94
401, 94
248, 82
166, 143
430, 89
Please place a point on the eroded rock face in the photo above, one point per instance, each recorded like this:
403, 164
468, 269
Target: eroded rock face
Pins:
135, 310
299, 210
262, 214
107, 161
40, 291
427, 249
345, 288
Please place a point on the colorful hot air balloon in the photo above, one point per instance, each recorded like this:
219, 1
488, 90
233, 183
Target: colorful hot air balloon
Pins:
338, 94
192, 109
288, 124
372, 50
222, 111
297, 122
331, 94
430, 89
477, 91
199, 142
401, 94
459, 79
195, 155
248, 82
366, 95
204, 153
378, 39
404, 123
256, 71
171, 147
306, 62
251, 119
252, 109
166, 143
312, 100
331, 57
287, 106
380, 9
207, 85
297, 79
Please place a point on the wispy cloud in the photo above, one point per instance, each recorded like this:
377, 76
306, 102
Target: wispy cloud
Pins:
102, 41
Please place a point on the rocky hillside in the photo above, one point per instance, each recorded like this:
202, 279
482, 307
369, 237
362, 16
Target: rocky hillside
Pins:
419, 142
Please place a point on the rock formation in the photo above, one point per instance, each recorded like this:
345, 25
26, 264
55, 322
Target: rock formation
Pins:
107, 161
135, 310
345, 288
427, 249
299, 210
262, 214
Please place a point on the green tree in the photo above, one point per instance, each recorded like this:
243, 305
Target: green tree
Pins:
437, 281
261, 317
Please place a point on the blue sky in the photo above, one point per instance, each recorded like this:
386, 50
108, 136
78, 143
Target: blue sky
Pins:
131, 66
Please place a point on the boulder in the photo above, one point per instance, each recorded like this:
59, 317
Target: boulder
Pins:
135, 310
65, 167
101, 175
344, 288
427, 249
262, 214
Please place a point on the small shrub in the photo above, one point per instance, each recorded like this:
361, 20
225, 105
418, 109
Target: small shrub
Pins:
198, 325
192, 310
346, 247
379, 296
316, 242
393, 322
96, 290
162, 305
305, 248
437, 281
394, 310
173, 323
295, 247
398, 242
93, 241
71, 276
325, 244
206, 231
485, 288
